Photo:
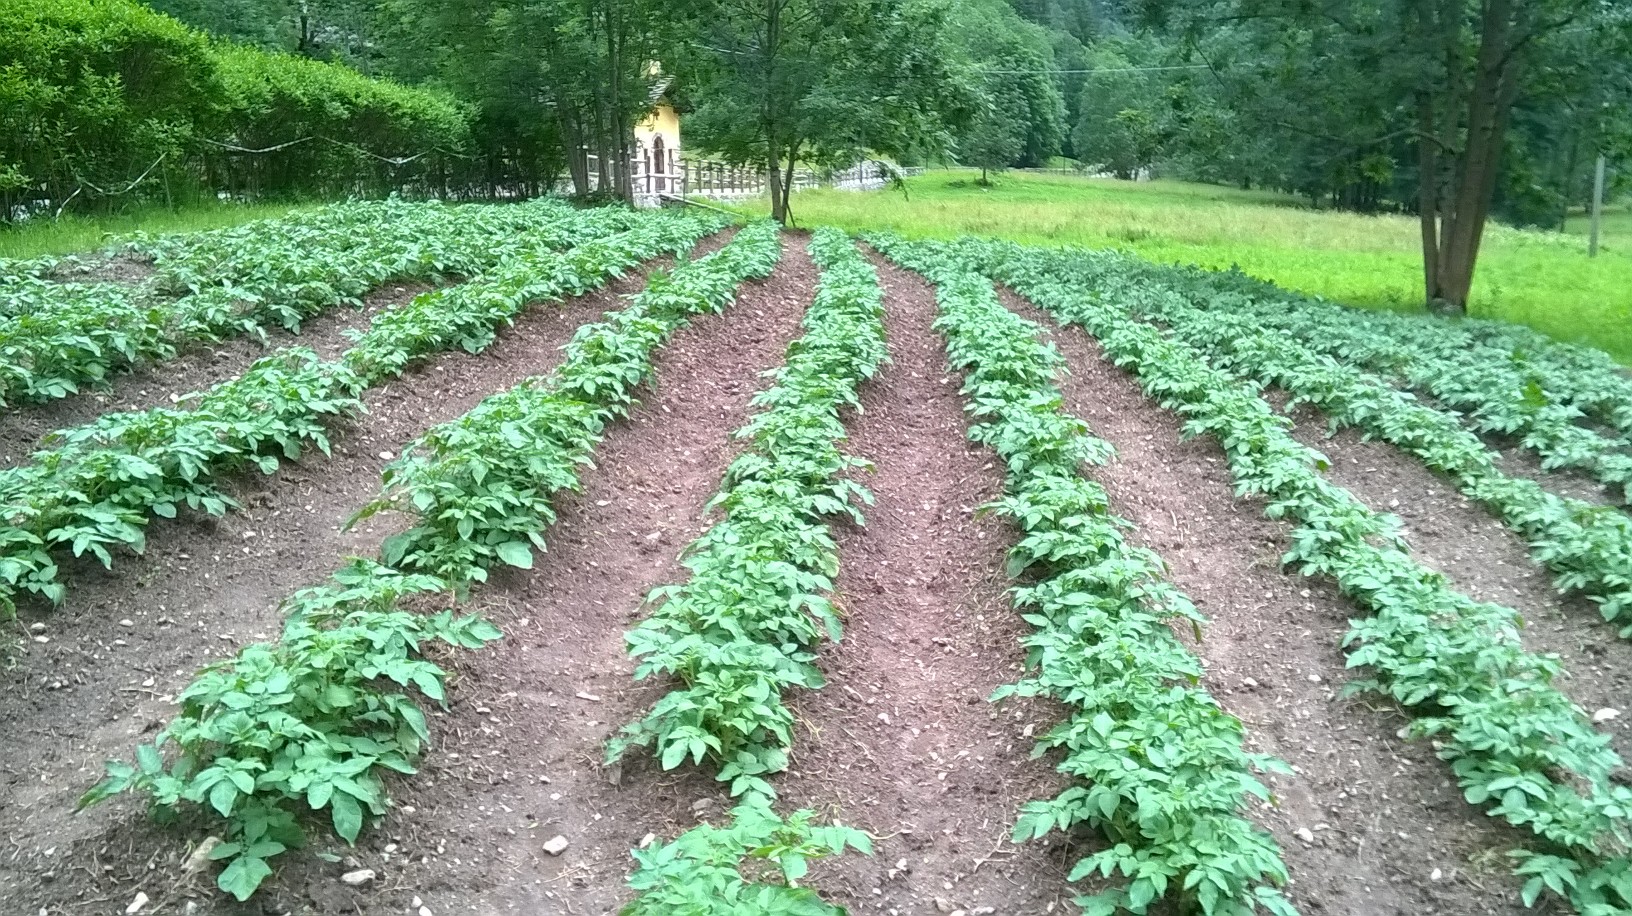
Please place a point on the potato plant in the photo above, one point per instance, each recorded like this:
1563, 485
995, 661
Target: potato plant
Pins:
310, 725
742, 630
56, 337
480, 488
95, 487
1516, 744
1159, 768
1588, 548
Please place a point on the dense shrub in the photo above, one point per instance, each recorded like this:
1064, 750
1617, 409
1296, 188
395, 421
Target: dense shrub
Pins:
96, 94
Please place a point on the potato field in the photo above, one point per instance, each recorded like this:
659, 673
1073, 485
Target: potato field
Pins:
499, 559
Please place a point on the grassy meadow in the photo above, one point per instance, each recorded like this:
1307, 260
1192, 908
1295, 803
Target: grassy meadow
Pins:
72, 234
1541, 279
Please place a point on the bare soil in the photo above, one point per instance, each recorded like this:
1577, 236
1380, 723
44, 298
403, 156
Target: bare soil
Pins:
1382, 815
194, 369
519, 754
125, 267
1488, 561
902, 742
128, 639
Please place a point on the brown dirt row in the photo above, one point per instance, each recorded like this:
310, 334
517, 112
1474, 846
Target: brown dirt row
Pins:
1519, 462
902, 741
126, 640
1487, 560
195, 368
1387, 832
519, 753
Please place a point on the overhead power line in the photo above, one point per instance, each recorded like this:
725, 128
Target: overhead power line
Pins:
1051, 72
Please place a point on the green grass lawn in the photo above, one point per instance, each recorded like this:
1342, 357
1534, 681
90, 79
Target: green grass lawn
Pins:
1541, 279
73, 234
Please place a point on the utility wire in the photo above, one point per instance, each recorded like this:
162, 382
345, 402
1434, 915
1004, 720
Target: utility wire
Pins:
1101, 70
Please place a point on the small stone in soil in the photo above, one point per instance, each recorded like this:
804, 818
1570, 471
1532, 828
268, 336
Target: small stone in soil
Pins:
1306, 835
200, 859
136, 904
556, 845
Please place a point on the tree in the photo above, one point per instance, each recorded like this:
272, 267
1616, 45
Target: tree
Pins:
1360, 85
997, 135
555, 79
1012, 62
1120, 118
824, 82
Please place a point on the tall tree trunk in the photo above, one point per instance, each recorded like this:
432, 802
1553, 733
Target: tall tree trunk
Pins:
1428, 193
773, 176
769, 115
1489, 105
787, 182
572, 132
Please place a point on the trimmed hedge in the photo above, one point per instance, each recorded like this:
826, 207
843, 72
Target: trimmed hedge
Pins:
95, 94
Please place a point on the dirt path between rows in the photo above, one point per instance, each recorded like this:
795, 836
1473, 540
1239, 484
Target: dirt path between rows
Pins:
1485, 559
902, 742
1387, 833
126, 640
197, 367
517, 759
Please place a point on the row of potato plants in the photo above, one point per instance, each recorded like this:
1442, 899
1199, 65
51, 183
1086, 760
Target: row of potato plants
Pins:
58, 336
1584, 381
1499, 391
1516, 744
1587, 547
1160, 770
1496, 392
742, 630
96, 487
283, 737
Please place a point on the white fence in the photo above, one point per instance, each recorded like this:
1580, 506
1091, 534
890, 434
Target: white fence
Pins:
721, 181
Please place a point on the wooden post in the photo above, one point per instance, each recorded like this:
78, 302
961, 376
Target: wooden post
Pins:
1597, 208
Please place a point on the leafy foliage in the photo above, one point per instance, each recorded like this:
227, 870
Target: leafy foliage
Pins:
481, 486
740, 631
107, 98
1587, 547
312, 723
700, 873
1163, 776
1515, 743
98, 484
55, 337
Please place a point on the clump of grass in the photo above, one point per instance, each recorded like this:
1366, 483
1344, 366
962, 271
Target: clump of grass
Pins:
1541, 279
73, 233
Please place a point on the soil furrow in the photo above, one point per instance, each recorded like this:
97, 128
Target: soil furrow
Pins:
518, 759
901, 742
127, 639
1387, 832
1488, 561
196, 367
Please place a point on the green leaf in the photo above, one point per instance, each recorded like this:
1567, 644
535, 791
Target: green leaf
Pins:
516, 553
243, 876
347, 815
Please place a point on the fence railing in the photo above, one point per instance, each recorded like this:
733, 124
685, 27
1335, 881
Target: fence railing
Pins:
722, 181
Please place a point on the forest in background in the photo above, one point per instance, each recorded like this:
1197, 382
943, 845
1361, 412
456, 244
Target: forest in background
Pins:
1457, 110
